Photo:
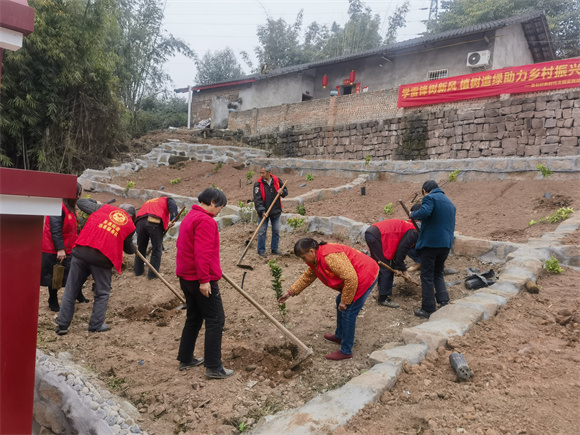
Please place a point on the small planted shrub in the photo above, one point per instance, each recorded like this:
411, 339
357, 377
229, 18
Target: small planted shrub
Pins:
388, 209
561, 214
301, 209
249, 176
129, 185
545, 171
246, 210
454, 174
217, 167
296, 223
175, 181
532, 222
367, 160
277, 279
214, 186
553, 266
309, 177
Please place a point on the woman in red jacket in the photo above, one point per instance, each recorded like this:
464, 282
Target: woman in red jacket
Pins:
199, 270
345, 270
58, 239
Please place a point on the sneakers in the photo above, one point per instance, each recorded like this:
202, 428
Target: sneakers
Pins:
331, 337
388, 303
337, 355
222, 373
422, 313
263, 254
193, 363
60, 330
276, 252
103, 328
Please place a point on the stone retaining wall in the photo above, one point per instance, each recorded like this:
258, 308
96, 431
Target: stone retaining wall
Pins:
546, 124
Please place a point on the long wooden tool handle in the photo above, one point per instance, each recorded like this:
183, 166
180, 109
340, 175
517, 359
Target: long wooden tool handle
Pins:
408, 214
278, 325
397, 272
174, 220
160, 277
261, 223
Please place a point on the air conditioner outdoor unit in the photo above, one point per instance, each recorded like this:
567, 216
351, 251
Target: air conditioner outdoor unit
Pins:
478, 58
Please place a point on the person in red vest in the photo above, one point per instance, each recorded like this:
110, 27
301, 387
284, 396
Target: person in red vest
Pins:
390, 241
58, 239
99, 247
345, 270
199, 270
153, 220
265, 190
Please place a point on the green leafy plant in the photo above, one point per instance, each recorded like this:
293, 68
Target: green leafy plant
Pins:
388, 209
249, 176
296, 223
242, 426
277, 280
309, 177
129, 185
532, 222
246, 210
561, 214
545, 171
214, 186
301, 209
87, 196
454, 174
553, 266
176, 181
367, 160
217, 167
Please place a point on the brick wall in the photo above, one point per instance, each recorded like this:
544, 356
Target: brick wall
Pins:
201, 103
354, 126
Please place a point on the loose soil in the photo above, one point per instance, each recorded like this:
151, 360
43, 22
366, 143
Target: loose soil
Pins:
525, 360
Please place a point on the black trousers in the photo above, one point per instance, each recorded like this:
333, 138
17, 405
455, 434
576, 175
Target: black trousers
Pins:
432, 265
200, 308
145, 231
375, 244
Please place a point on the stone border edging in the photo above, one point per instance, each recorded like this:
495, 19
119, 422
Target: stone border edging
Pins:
327, 412
66, 402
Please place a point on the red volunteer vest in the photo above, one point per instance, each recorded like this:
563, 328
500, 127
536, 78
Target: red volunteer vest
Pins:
263, 189
392, 231
69, 232
156, 207
366, 268
106, 230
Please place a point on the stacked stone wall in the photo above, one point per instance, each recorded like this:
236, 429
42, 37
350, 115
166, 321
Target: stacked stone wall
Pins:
530, 125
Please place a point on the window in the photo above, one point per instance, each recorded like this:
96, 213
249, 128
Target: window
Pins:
346, 90
436, 75
306, 97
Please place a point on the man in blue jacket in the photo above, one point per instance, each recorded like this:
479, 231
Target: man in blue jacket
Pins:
437, 216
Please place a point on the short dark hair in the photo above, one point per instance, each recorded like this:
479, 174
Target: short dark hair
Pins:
305, 244
213, 195
130, 209
429, 185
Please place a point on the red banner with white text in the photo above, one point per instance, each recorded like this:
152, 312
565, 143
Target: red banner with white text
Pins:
526, 78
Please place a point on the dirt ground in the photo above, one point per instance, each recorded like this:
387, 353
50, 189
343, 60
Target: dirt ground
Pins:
525, 360
494, 210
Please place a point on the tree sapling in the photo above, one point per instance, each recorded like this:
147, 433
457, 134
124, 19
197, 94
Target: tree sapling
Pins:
277, 279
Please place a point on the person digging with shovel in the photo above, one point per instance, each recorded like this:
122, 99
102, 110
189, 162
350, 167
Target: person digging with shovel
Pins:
107, 233
344, 269
266, 190
390, 241
58, 239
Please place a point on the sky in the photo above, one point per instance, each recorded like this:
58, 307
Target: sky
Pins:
217, 24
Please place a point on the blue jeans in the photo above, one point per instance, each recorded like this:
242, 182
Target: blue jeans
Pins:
275, 222
346, 320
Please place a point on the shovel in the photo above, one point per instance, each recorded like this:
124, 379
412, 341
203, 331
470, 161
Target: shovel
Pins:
307, 351
57, 276
160, 277
408, 214
246, 266
398, 273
